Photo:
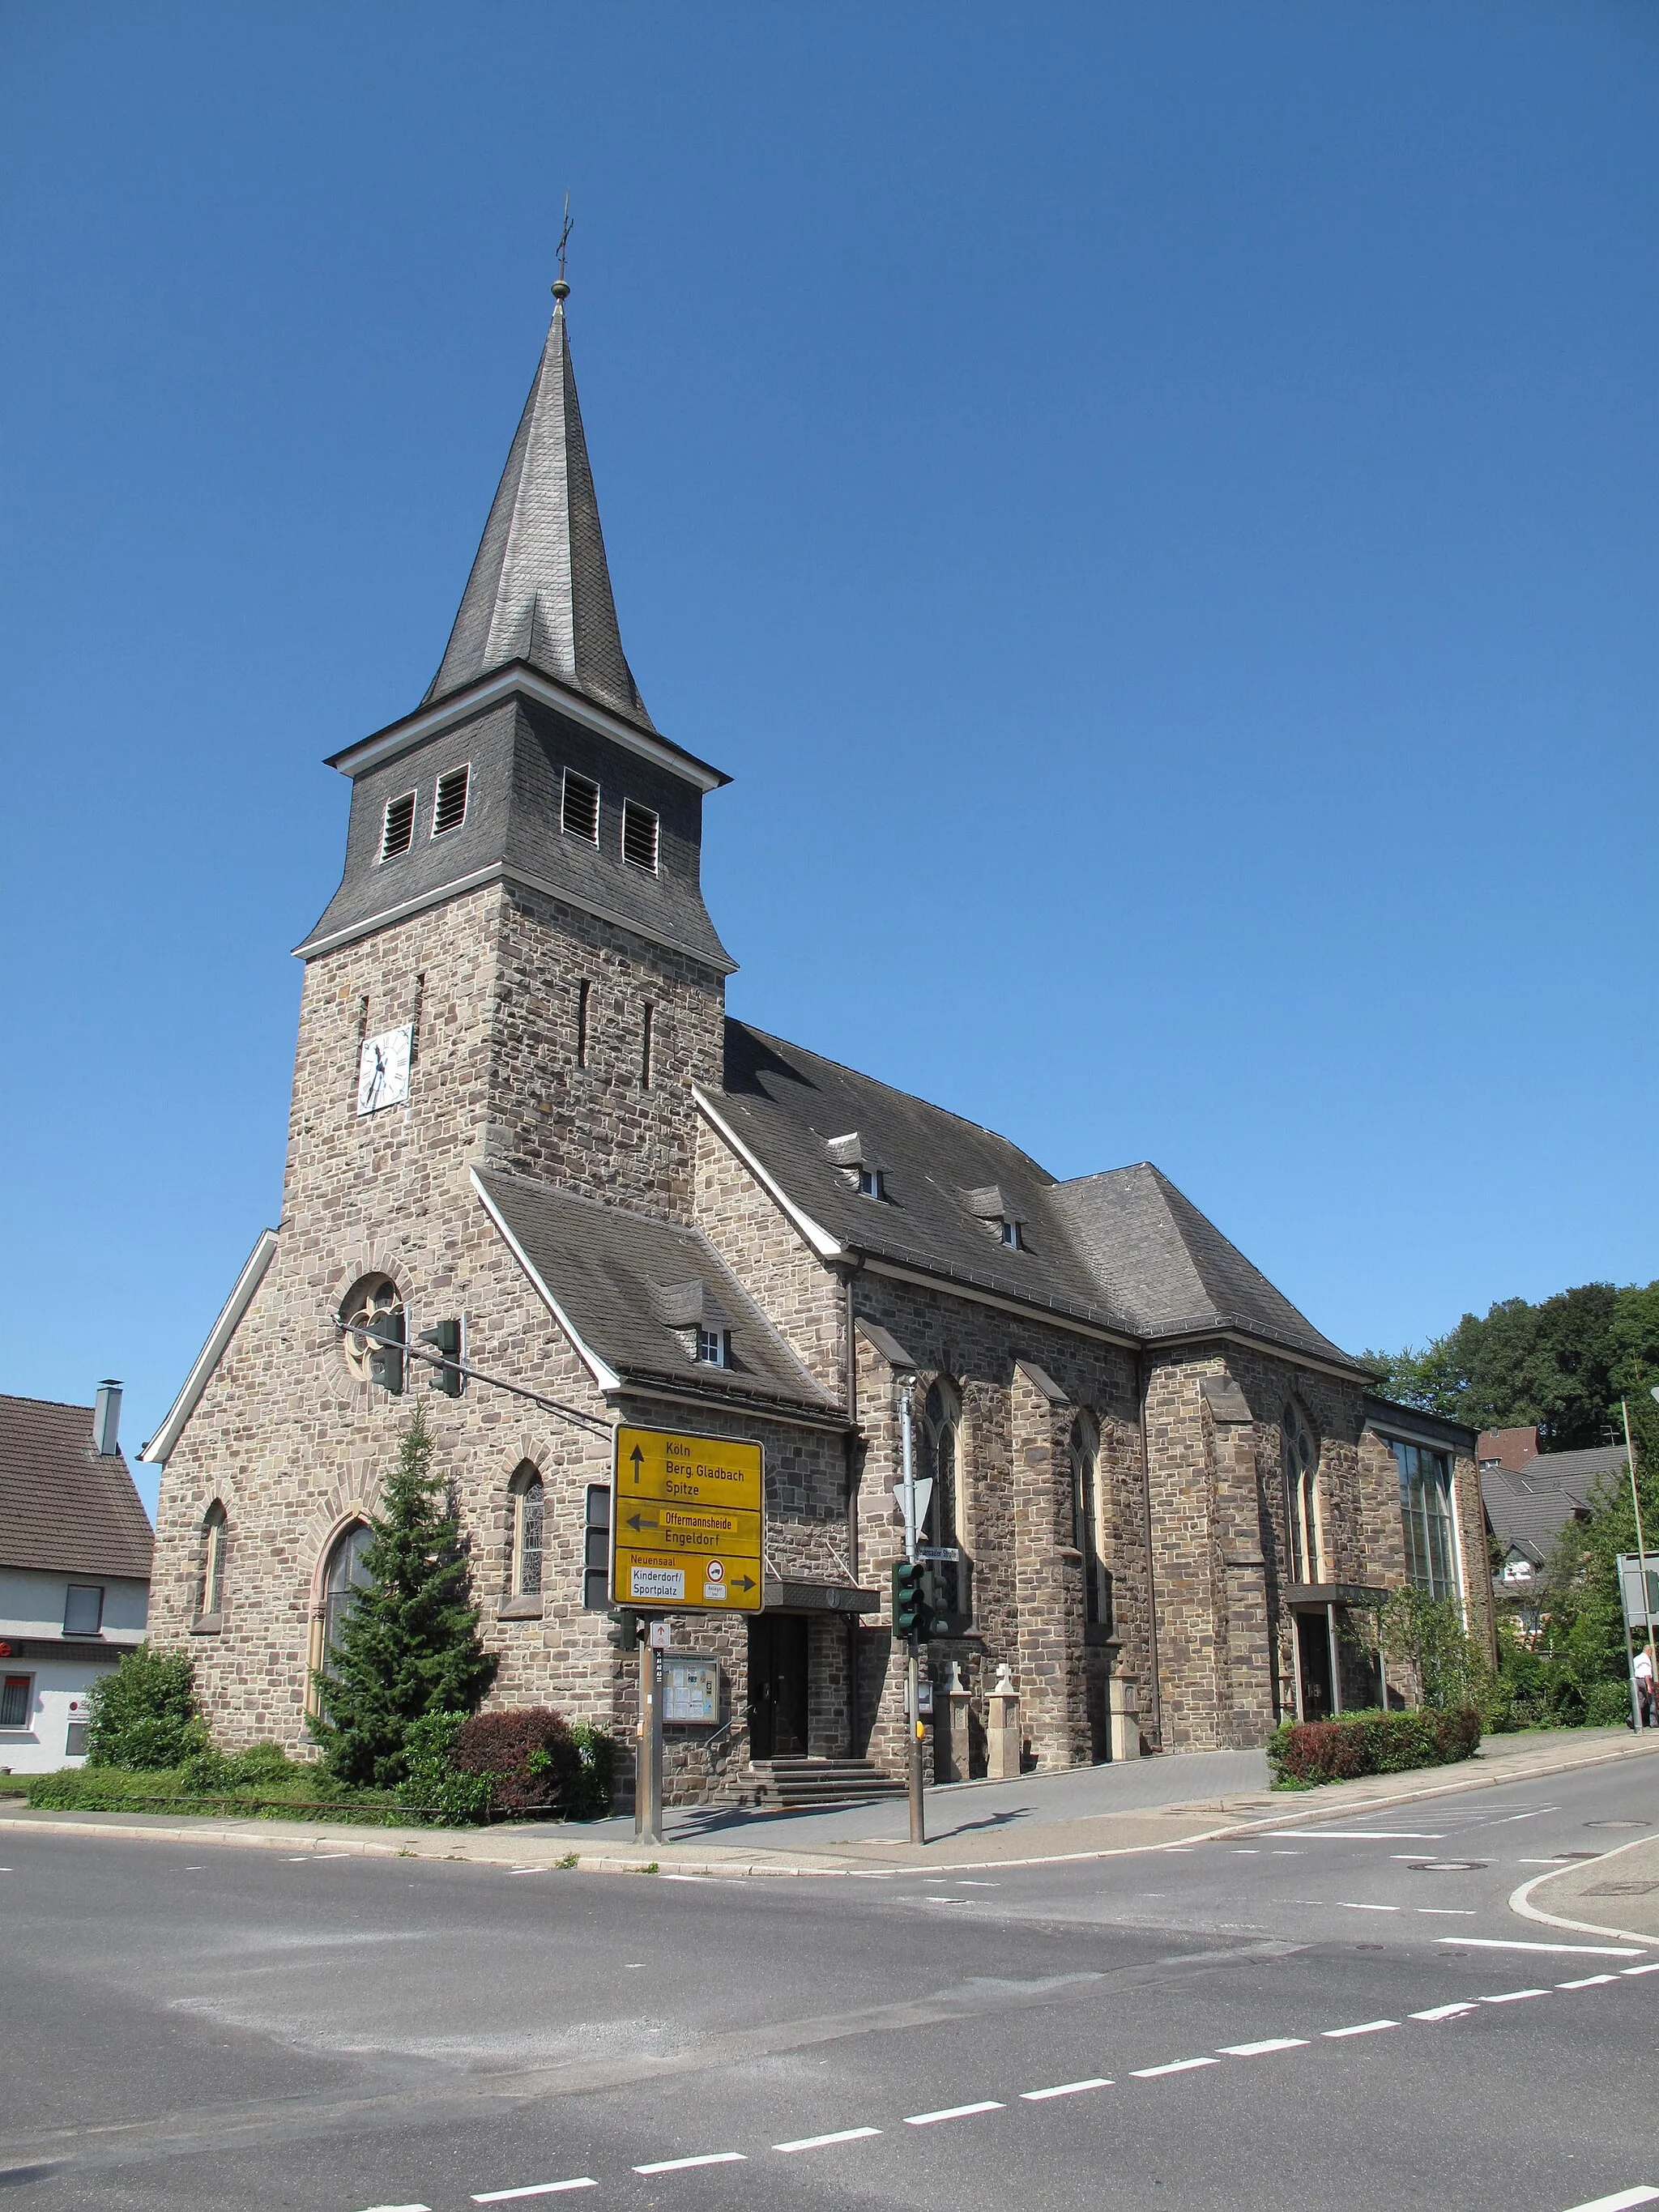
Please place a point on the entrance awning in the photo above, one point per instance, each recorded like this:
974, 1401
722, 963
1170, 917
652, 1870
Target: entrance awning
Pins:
820, 1597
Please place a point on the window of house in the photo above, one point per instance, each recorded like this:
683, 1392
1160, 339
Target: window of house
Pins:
872, 1183
344, 1580
397, 829
212, 1592
579, 808
639, 835
449, 808
371, 1314
595, 1549
1013, 1235
1088, 1531
529, 1500
1300, 1455
1426, 1509
16, 1698
940, 1440
715, 1347
84, 1609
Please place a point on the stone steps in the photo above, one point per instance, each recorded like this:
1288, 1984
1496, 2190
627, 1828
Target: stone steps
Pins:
783, 1786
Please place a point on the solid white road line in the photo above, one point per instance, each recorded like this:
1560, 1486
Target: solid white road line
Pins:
395, 2207
820, 2143
1355, 1835
1509, 1943
1063, 2089
535, 2189
1175, 2066
1261, 2050
1623, 2202
1347, 1905
1445, 2012
951, 2113
1514, 1997
1449, 1911
1365, 2028
1653, 1969
679, 2165
1588, 1982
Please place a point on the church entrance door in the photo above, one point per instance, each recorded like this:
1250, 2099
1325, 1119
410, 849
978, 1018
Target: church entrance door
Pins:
1313, 1656
777, 1686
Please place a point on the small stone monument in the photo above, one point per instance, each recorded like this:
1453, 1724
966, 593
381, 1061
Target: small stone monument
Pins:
953, 1746
1002, 1731
1125, 1718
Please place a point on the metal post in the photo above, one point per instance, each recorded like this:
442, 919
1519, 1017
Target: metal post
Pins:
1641, 1557
913, 1672
647, 1758
1336, 1664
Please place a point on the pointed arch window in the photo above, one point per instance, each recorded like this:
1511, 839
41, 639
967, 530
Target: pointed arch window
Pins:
1088, 1531
210, 1597
940, 1453
344, 1580
1303, 1503
529, 1500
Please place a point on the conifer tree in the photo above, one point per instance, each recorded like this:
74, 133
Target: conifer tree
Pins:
410, 1645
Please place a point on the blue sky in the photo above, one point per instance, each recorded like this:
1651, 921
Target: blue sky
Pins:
1152, 504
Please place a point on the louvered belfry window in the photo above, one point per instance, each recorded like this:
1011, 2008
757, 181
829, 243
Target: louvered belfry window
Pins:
398, 833
639, 835
579, 814
450, 810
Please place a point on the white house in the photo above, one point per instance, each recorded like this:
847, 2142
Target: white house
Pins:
75, 1560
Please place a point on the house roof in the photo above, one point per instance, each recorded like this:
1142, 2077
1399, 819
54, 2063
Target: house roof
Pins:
1531, 1508
1124, 1250
539, 590
630, 1287
63, 1508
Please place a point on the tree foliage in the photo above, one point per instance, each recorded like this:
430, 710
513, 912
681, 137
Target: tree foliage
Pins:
409, 1645
1426, 1636
144, 1715
1563, 1364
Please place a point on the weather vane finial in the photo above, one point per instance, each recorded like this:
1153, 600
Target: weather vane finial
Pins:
560, 289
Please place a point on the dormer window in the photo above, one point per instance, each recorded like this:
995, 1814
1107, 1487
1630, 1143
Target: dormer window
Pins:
989, 1204
579, 808
639, 836
858, 1163
449, 810
872, 1183
397, 830
1012, 1235
713, 1347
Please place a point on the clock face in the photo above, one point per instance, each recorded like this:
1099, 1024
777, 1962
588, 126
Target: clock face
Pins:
383, 1070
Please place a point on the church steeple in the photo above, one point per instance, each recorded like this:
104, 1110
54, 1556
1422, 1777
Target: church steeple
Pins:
540, 587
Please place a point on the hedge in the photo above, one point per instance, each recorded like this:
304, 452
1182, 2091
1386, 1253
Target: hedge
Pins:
1300, 1752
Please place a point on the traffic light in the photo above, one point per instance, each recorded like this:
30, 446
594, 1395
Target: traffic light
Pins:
907, 1601
446, 1338
385, 1332
626, 1632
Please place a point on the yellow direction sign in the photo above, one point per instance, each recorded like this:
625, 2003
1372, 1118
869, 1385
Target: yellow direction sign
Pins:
687, 1523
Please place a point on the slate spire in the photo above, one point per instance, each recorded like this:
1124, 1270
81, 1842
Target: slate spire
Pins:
540, 587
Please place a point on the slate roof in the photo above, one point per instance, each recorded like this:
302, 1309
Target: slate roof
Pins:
540, 586
1532, 1508
631, 1284
1125, 1250
63, 1508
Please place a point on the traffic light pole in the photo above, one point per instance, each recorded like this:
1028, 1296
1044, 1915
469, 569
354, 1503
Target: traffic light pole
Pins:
913, 1669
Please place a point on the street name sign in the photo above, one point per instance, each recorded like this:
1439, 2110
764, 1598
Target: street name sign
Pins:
688, 1522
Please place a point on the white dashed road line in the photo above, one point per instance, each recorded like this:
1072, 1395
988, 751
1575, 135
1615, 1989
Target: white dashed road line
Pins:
1261, 2050
1626, 2200
1653, 1969
1446, 2011
1347, 1905
1514, 1997
1511, 1943
679, 2165
1588, 1982
535, 2189
822, 2142
1354, 1836
1175, 2066
951, 2113
1365, 2028
1063, 2089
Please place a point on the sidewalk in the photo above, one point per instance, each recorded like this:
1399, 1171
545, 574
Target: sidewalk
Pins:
1616, 1894
1084, 1813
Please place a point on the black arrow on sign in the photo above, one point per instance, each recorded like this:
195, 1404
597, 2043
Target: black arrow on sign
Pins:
638, 1521
744, 1581
637, 1457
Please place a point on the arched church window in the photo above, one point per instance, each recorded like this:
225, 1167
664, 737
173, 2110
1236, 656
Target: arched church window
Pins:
371, 1313
528, 1500
211, 1595
941, 1433
1088, 1531
1301, 1498
344, 1580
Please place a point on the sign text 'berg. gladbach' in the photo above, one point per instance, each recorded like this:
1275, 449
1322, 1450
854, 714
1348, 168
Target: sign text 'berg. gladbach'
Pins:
687, 1521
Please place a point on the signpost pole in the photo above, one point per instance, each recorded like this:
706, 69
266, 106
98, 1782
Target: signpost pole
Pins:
648, 1757
912, 1671
1641, 1558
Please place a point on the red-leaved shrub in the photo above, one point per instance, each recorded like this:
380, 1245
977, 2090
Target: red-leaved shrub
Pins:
530, 1757
1371, 1743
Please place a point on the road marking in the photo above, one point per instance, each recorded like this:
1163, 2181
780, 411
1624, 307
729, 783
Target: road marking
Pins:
1653, 1969
331, 1855
679, 2165
944, 1901
951, 2113
1175, 2066
1589, 1982
689, 1877
1554, 1862
397, 2208
1509, 1943
1365, 2028
1448, 1912
1346, 1904
1514, 1997
1064, 2089
1246, 1851
1623, 2202
1355, 1835
820, 2143
1289, 1855
1445, 2012
540, 1870
1261, 2050
535, 2189
980, 1885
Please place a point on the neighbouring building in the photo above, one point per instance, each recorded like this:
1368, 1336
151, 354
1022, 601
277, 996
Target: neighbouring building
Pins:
1530, 1496
75, 1566
519, 1104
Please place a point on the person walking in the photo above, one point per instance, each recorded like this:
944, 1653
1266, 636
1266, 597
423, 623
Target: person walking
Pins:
1647, 1698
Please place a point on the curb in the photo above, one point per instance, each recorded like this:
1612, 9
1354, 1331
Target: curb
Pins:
1520, 1901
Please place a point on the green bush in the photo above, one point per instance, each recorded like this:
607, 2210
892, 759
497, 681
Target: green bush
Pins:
1300, 1752
433, 1786
1607, 1703
144, 1715
260, 1782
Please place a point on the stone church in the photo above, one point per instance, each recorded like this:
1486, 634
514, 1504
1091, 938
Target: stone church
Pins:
519, 1106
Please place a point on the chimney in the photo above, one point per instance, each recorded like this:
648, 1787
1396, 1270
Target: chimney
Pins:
106, 1420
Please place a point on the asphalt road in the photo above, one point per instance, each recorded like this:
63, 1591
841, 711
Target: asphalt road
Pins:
1347, 2015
